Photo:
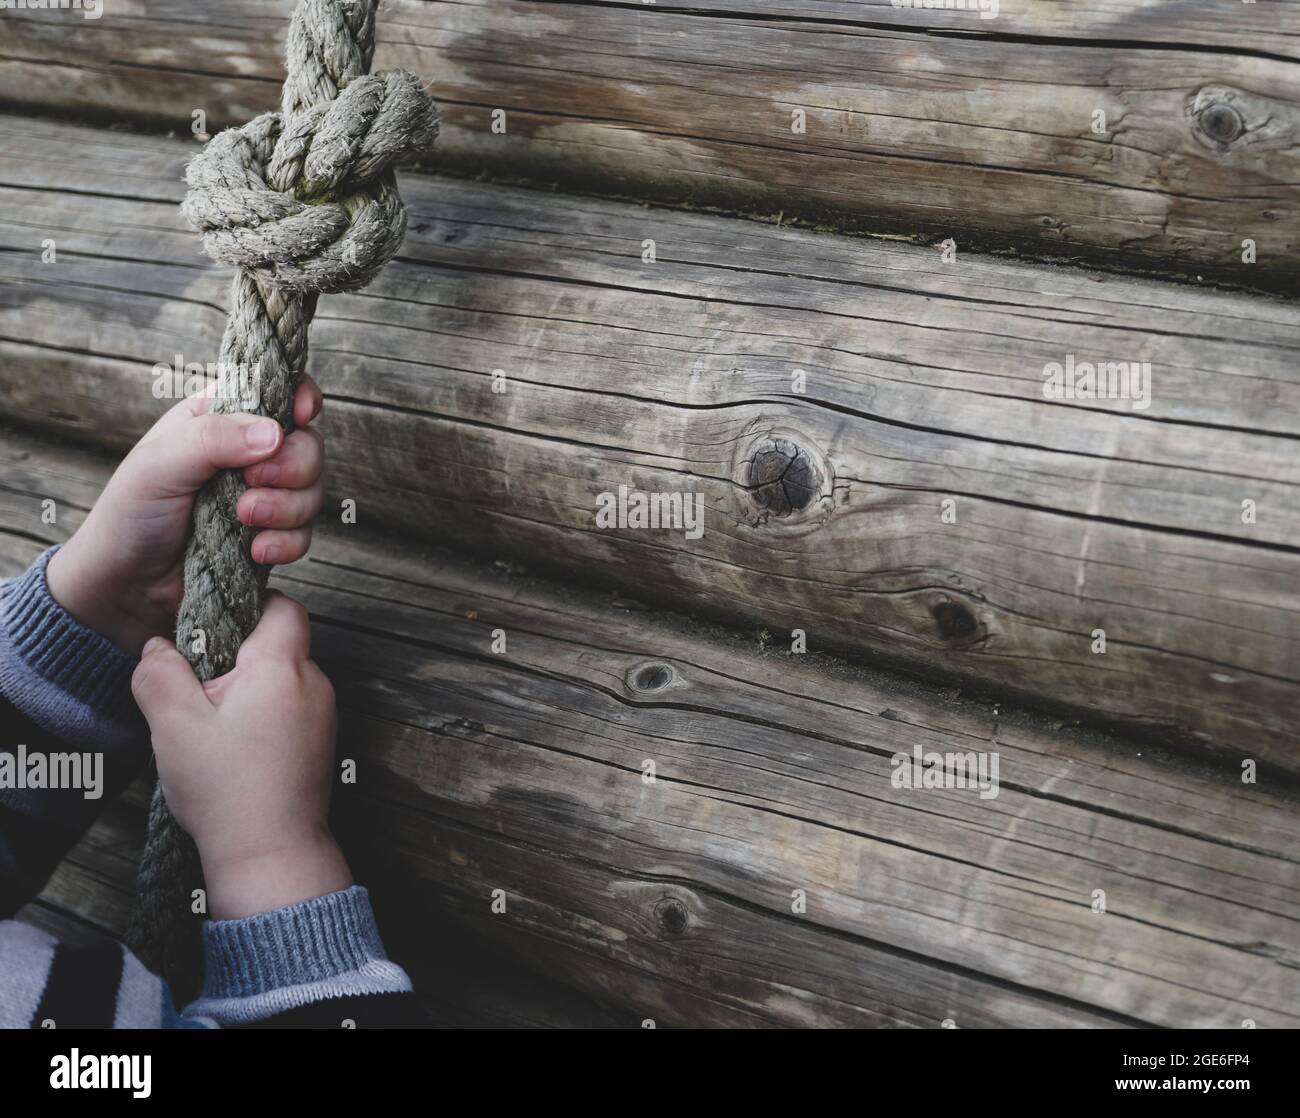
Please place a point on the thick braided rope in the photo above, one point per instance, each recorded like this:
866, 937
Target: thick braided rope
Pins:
301, 201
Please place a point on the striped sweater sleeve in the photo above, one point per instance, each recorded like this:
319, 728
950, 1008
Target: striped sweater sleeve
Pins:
318, 964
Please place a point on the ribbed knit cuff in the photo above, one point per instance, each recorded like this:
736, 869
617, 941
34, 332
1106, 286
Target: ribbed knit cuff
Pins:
303, 953
66, 678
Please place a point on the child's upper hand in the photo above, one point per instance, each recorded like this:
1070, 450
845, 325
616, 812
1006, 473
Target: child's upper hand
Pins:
122, 572
246, 764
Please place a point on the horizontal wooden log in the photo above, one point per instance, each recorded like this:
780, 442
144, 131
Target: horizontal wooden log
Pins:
522, 770
923, 385
459, 983
1265, 31
914, 120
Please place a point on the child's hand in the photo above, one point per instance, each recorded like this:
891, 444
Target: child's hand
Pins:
122, 574
246, 763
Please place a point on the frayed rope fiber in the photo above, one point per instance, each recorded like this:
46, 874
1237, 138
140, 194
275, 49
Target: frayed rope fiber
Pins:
301, 201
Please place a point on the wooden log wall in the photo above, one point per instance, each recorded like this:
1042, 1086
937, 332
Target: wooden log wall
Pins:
1150, 131
879, 468
922, 383
675, 900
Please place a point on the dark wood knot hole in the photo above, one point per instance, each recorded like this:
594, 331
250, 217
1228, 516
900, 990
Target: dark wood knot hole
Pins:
955, 621
1222, 123
784, 477
671, 916
654, 676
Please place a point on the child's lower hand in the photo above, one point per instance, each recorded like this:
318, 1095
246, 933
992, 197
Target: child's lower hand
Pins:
246, 764
121, 574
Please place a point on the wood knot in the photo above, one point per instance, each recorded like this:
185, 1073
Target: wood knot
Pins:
672, 916
956, 622
784, 477
1223, 119
1221, 123
650, 677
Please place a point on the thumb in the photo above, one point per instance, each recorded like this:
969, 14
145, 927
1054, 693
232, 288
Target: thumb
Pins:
182, 457
166, 689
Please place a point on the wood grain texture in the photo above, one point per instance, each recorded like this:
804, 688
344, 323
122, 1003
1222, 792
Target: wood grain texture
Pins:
921, 121
521, 771
923, 385
1267, 29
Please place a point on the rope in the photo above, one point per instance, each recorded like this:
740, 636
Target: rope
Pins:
300, 201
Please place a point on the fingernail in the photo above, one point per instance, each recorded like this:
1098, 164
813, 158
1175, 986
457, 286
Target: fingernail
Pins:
271, 554
266, 475
262, 435
254, 514
152, 645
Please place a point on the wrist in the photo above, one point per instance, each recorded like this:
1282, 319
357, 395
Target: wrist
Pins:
94, 595
242, 884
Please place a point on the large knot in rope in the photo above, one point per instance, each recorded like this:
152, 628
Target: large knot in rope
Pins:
302, 201
311, 206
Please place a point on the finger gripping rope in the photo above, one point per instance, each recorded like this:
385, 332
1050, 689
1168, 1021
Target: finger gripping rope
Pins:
302, 201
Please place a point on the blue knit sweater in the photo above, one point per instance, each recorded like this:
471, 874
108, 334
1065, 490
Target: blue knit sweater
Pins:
66, 707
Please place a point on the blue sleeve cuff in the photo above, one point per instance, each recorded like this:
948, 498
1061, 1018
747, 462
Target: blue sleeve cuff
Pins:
69, 680
277, 961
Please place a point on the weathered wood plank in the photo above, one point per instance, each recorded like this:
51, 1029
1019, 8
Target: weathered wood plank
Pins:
1267, 29
923, 384
916, 120
522, 771
460, 984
